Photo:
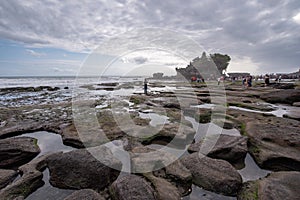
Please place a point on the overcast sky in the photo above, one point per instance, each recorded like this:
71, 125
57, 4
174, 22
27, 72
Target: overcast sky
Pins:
55, 37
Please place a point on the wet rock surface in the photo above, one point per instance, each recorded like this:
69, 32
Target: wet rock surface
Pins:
272, 141
6, 177
163, 188
226, 147
132, 187
85, 194
79, 169
275, 144
277, 186
30, 181
17, 151
288, 96
212, 174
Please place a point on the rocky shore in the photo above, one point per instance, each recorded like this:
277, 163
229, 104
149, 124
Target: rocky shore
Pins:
261, 121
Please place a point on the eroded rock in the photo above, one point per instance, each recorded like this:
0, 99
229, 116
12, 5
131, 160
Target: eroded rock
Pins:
132, 187
276, 186
78, 169
30, 181
85, 194
6, 176
15, 152
226, 147
282, 96
163, 188
212, 174
275, 145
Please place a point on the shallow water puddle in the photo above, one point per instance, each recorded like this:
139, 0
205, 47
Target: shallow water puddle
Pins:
48, 142
47, 191
156, 119
199, 193
279, 112
203, 130
251, 171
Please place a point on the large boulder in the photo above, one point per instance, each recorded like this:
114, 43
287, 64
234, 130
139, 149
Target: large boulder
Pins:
79, 169
15, 152
226, 147
288, 96
163, 188
85, 194
131, 187
214, 175
178, 175
6, 176
276, 186
275, 144
163, 164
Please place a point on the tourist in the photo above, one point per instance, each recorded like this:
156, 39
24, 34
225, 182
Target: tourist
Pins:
249, 81
193, 79
267, 80
219, 80
145, 86
243, 81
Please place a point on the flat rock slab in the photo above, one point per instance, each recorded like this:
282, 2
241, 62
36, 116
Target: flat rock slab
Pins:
132, 187
294, 114
288, 96
85, 194
78, 169
276, 186
214, 175
297, 104
225, 147
15, 152
275, 145
6, 176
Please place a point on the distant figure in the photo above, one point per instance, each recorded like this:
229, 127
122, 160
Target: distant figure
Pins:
249, 81
244, 81
267, 80
279, 79
219, 80
145, 86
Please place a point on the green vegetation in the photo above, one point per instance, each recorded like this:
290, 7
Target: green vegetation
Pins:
221, 61
249, 191
243, 129
35, 142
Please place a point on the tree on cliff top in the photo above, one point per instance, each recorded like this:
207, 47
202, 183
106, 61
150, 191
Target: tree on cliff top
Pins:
221, 61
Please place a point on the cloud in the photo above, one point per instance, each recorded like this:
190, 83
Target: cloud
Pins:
34, 53
266, 32
296, 18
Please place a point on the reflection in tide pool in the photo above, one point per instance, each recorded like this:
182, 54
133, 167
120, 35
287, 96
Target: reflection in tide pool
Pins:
251, 170
48, 142
49, 192
156, 119
199, 193
203, 130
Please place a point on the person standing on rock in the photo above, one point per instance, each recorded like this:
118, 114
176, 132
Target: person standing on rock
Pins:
145, 86
267, 80
243, 81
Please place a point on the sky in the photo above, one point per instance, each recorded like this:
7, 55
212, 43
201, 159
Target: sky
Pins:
54, 38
